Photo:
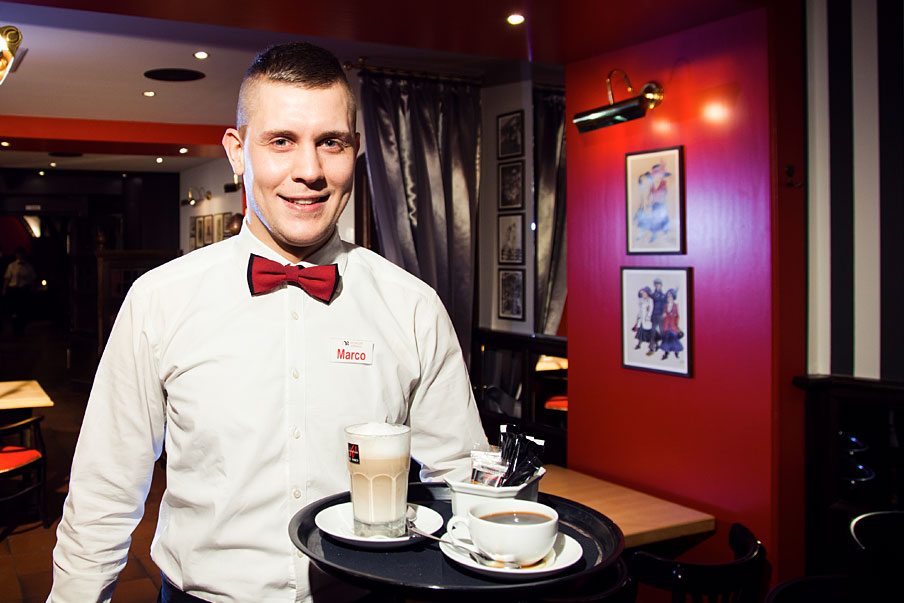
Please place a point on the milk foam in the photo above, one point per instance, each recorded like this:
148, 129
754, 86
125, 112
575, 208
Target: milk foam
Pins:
376, 442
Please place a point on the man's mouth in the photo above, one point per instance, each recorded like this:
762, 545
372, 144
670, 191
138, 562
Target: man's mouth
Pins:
304, 200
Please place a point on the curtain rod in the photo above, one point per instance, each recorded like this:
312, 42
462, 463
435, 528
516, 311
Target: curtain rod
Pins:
433, 75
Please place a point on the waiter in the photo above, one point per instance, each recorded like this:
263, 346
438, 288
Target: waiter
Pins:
247, 358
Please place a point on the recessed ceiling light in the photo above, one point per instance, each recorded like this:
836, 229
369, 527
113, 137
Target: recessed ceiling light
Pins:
515, 19
183, 151
149, 93
160, 160
4, 144
201, 55
53, 164
41, 173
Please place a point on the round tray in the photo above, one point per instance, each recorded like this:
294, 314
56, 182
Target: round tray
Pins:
421, 571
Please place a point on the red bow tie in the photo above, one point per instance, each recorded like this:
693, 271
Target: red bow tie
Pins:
266, 275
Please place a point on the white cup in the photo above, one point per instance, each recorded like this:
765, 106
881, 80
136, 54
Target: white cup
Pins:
378, 459
520, 531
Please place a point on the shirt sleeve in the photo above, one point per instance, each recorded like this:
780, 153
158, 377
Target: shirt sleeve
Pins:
445, 423
121, 437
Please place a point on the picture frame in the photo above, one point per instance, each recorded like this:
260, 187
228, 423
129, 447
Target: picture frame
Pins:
510, 241
192, 245
511, 185
656, 332
217, 227
208, 229
510, 134
511, 293
654, 201
227, 218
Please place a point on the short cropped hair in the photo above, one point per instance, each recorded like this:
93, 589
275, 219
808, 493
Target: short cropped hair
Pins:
298, 63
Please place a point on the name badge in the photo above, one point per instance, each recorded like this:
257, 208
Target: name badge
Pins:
353, 352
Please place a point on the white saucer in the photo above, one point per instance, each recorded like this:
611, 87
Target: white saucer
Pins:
565, 552
337, 521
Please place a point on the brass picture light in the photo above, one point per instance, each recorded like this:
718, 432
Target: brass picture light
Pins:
10, 38
616, 113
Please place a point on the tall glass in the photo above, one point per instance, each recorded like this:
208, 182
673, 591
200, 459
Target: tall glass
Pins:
378, 459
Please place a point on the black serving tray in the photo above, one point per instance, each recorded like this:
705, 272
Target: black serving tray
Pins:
421, 571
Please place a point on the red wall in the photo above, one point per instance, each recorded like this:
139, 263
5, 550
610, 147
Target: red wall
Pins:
707, 440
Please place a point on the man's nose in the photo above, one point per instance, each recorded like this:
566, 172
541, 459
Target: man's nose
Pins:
306, 166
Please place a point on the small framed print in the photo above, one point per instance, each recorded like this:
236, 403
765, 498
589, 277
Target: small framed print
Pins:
208, 229
511, 185
510, 135
656, 319
654, 185
227, 218
511, 238
511, 293
217, 227
191, 243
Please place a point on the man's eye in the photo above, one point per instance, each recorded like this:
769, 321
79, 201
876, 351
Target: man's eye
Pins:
280, 142
332, 144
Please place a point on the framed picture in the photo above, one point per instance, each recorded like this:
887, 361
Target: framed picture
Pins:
217, 227
511, 185
654, 186
656, 319
208, 229
191, 243
510, 135
511, 293
511, 238
227, 218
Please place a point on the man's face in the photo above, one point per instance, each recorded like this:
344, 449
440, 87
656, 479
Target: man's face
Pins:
297, 157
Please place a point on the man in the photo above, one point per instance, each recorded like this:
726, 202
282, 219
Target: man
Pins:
18, 280
658, 308
250, 388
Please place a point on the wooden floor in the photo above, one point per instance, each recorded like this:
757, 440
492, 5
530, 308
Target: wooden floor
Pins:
25, 545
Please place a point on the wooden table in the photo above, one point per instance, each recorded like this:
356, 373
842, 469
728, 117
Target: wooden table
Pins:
643, 518
22, 394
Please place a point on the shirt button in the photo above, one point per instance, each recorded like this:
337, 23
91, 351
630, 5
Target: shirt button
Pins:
294, 317
295, 373
299, 554
296, 433
296, 493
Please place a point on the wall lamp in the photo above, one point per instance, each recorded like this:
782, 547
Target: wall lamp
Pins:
234, 186
616, 113
10, 38
194, 197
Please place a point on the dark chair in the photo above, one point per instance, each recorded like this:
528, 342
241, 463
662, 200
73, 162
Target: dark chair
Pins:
22, 463
878, 540
612, 585
737, 581
813, 589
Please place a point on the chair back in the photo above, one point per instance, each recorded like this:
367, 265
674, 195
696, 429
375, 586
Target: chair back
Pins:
22, 462
737, 581
878, 540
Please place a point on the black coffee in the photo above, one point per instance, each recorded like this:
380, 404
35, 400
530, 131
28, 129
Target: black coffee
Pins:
521, 518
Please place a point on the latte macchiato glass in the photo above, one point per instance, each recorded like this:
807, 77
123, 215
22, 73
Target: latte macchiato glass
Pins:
378, 459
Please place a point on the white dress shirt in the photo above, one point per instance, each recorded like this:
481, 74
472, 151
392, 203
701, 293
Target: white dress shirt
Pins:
250, 398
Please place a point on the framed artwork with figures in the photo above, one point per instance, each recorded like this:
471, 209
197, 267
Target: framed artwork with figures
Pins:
511, 293
654, 193
511, 238
510, 135
511, 185
657, 306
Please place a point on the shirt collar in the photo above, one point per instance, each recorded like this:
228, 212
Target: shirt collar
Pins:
332, 252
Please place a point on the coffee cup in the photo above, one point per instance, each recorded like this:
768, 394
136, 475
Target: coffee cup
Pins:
378, 459
518, 531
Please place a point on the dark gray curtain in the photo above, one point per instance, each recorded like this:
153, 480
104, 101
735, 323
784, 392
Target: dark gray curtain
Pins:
549, 176
422, 140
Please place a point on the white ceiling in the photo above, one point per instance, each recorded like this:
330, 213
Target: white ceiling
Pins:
90, 65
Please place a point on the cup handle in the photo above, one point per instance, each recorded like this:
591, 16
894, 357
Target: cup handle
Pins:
458, 524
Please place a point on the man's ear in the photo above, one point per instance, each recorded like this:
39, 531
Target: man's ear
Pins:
235, 151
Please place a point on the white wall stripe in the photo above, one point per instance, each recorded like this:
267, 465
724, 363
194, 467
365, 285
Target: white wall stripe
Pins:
819, 360
867, 310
